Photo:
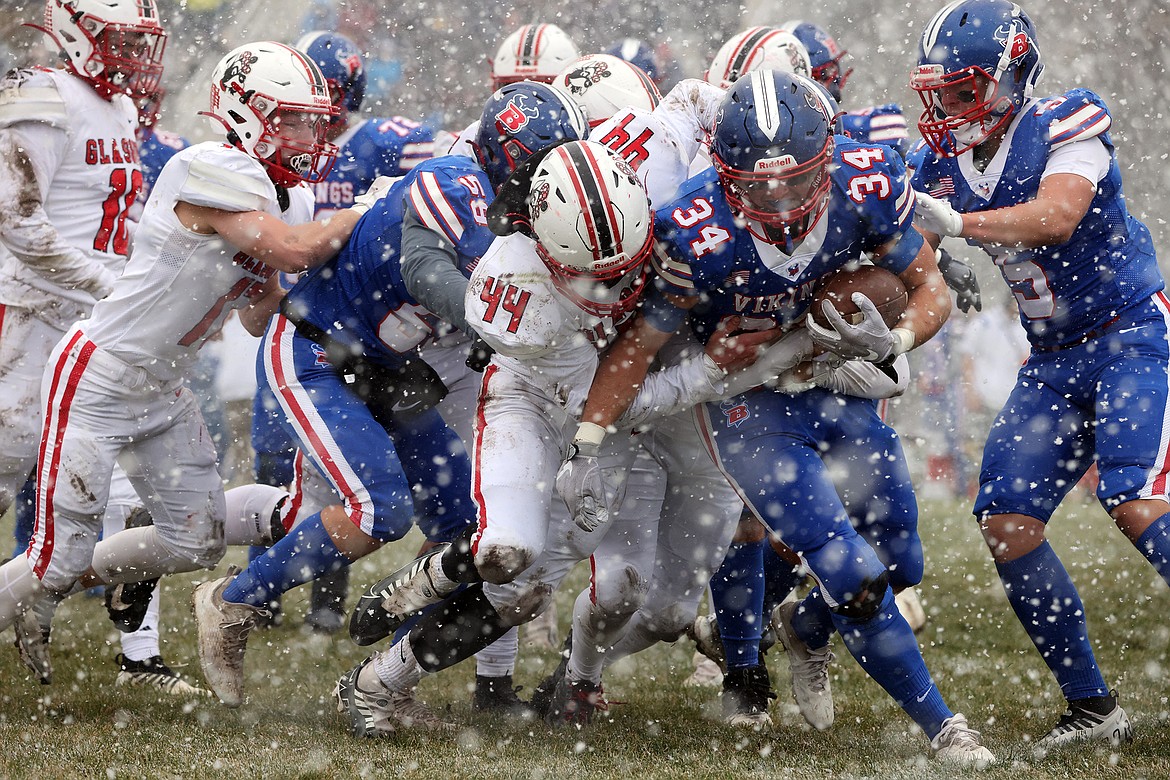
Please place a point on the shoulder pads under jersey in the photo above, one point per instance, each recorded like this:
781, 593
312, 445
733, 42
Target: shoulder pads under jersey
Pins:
450, 199
1077, 115
222, 177
29, 95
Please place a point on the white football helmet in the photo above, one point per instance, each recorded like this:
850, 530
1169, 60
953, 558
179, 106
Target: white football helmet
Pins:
116, 45
593, 226
603, 85
258, 87
535, 52
758, 48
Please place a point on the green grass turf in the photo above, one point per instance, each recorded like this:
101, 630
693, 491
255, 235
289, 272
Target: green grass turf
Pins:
84, 726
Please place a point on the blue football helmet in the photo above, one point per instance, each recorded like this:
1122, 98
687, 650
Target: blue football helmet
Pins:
771, 146
521, 119
977, 64
341, 61
824, 54
639, 53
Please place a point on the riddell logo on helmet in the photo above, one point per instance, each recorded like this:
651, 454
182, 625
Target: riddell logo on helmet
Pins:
516, 114
781, 163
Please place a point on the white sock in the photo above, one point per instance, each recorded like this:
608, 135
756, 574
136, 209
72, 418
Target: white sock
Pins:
143, 644
395, 668
249, 514
594, 631
499, 658
438, 577
136, 554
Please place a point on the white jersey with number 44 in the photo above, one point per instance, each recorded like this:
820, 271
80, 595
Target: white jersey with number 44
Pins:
179, 286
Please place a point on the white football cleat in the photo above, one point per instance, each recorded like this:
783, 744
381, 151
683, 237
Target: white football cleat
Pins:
958, 745
705, 633
1082, 725
154, 673
380, 712
223, 637
389, 603
809, 669
707, 673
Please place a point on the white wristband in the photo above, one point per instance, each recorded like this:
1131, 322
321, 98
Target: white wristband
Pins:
903, 340
590, 433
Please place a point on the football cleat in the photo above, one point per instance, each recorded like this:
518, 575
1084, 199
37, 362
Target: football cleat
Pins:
381, 712
327, 603
32, 639
575, 703
154, 673
498, 695
542, 696
809, 669
705, 633
223, 638
127, 603
707, 673
392, 601
1079, 724
746, 691
958, 745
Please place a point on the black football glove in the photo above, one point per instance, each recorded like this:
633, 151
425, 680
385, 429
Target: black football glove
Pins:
479, 354
960, 278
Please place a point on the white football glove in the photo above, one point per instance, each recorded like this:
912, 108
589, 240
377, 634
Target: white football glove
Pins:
364, 202
936, 216
871, 339
581, 487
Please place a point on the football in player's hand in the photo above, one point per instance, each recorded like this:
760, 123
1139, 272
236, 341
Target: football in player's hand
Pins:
883, 288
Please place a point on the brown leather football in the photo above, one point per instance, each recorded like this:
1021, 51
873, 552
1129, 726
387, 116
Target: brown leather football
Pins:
879, 285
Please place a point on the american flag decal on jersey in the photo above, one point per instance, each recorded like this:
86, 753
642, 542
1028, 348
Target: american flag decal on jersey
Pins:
942, 187
738, 279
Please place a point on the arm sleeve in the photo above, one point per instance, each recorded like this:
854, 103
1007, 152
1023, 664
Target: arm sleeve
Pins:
430, 273
25, 171
688, 111
672, 390
863, 379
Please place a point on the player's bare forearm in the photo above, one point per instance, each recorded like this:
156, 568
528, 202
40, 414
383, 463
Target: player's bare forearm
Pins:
1048, 219
928, 302
621, 372
255, 316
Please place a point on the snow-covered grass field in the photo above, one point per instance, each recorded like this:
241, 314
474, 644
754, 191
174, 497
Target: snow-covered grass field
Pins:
84, 726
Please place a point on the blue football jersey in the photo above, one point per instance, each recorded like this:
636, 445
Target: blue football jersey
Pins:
155, 148
373, 148
1067, 292
883, 124
702, 249
359, 297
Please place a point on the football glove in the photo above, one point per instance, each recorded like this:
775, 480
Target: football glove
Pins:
364, 202
581, 487
937, 216
961, 278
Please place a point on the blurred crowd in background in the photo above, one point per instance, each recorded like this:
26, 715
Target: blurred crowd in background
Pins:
428, 60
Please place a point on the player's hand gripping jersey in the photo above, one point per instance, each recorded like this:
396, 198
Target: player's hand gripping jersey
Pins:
170, 298
1067, 292
359, 298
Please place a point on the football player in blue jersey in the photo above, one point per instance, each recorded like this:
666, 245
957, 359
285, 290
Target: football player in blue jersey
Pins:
786, 204
377, 436
1036, 183
368, 148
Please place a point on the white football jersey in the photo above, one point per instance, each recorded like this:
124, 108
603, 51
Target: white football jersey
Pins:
179, 286
536, 331
85, 156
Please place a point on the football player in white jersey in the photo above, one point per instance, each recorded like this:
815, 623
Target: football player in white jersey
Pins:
70, 176
222, 219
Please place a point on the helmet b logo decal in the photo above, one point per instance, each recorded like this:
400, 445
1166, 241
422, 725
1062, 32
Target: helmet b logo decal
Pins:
1014, 40
516, 114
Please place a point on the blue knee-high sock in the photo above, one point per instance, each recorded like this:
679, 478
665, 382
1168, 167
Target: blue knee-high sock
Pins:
737, 594
1154, 543
780, 579
885, 648
1050, 609
813, 620
24, 509
305, 554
